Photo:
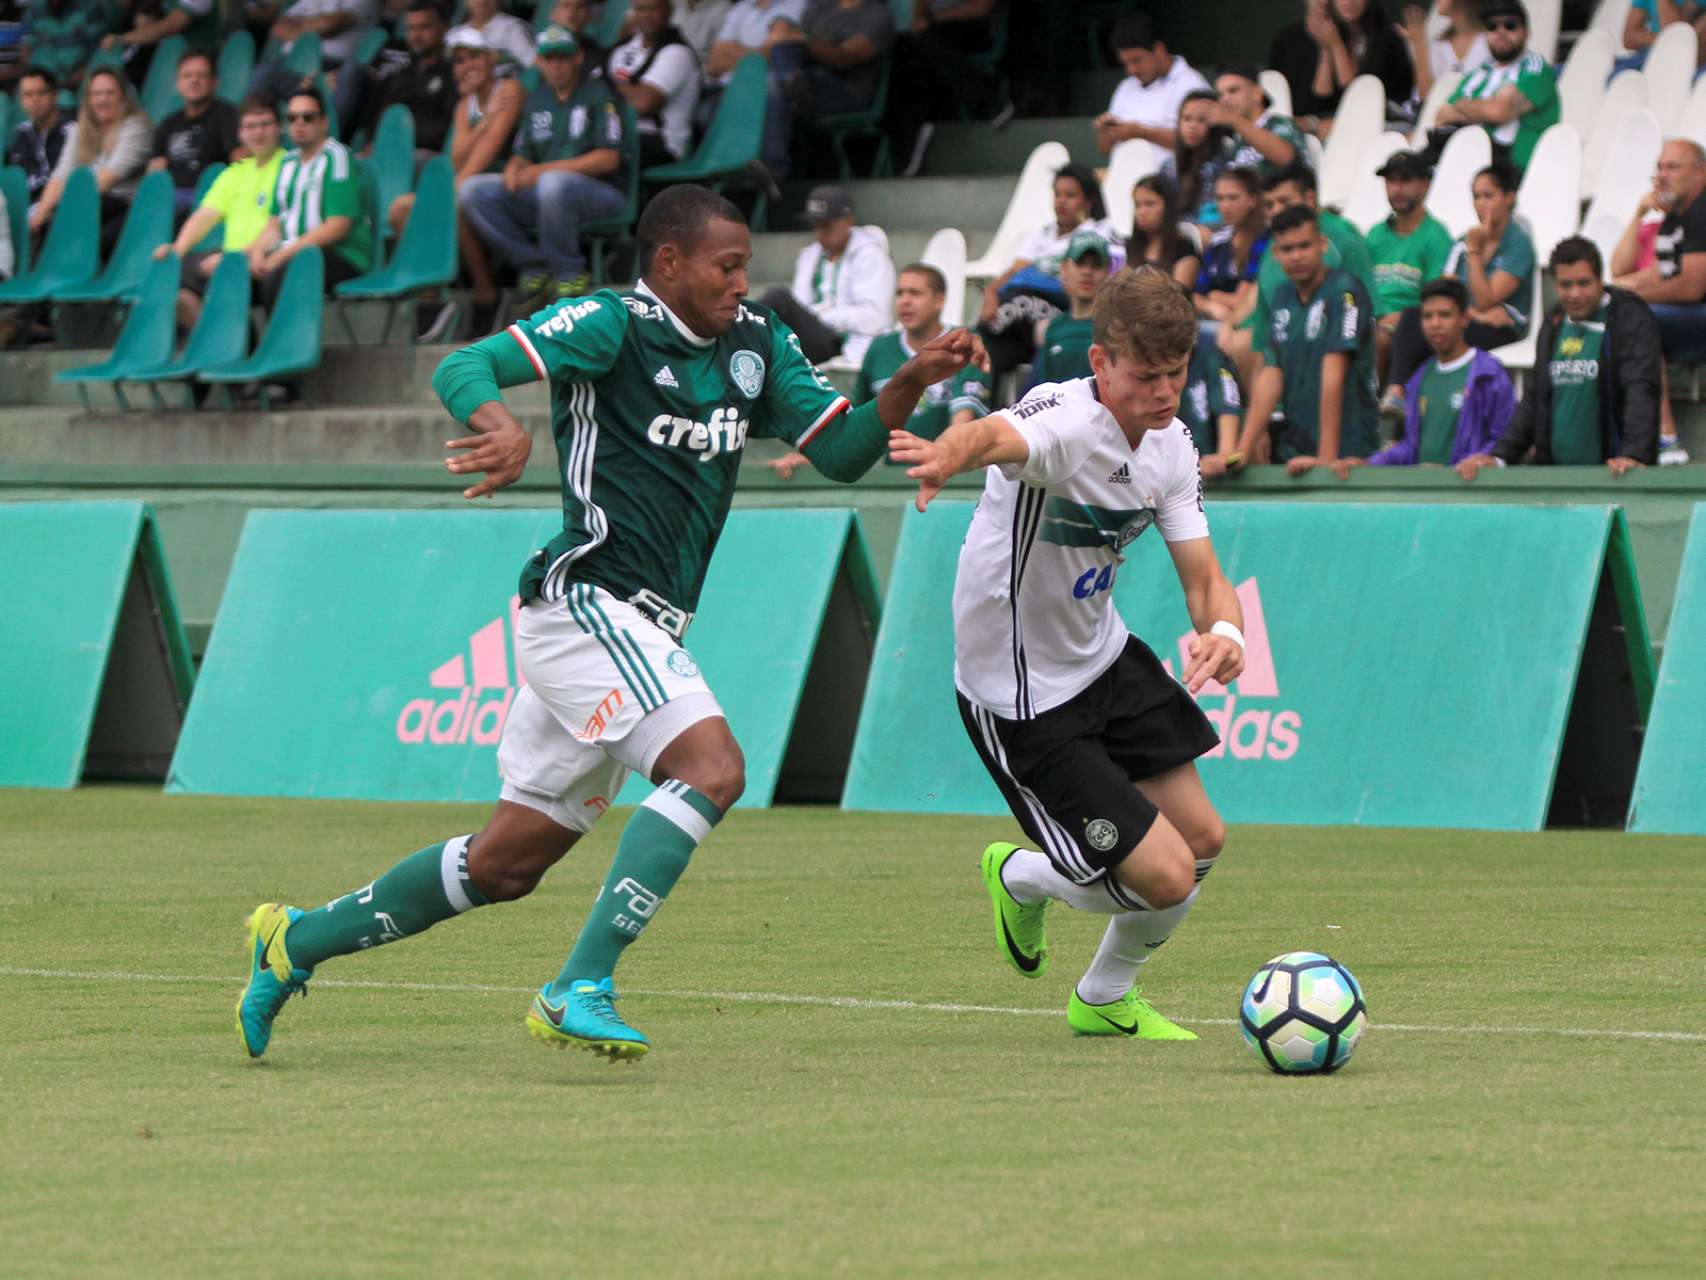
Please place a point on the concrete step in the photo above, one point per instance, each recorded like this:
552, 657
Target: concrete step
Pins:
979, 149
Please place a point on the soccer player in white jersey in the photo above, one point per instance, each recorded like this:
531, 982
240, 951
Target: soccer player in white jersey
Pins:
1090, 739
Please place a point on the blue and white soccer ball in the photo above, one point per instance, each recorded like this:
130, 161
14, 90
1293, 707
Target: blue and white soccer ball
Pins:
1303, 1013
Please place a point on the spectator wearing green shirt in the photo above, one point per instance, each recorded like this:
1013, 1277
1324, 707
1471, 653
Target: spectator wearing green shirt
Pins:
1514, 93
1594, 394
1409, 248
240, 199
1063, 352
1211, 407
562, 173
1319, 350
1259, 137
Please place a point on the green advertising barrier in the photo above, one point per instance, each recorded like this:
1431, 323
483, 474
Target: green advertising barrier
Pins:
1406, 666
369, 654
1669, 795
97, 672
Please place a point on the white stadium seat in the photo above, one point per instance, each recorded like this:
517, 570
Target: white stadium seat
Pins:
1131, 160
1356, 124
1670, 71
1468, 151
1544, 19
1437, 95
1626, 92
1605, 230
1278, 89
1367, 205
1627, 172
1581, 84
947, 253
1314, 152
1550, 197
1030, 206
1608, 16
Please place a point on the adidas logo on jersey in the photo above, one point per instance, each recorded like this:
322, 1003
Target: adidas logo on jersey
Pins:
1122, 476
664, 378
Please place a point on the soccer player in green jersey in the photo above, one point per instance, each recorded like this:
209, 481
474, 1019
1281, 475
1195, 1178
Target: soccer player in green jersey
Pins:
654, 393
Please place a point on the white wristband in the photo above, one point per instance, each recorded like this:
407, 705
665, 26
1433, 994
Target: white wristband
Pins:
1232, 633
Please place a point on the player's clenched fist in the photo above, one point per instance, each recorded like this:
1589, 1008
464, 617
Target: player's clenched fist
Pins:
948, 353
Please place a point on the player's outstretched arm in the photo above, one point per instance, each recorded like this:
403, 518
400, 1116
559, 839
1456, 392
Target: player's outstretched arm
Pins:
971, 446
1217, 649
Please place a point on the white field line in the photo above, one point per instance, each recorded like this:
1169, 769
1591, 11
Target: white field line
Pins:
842, 1002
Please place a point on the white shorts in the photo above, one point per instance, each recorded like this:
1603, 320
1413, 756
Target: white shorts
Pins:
606, 691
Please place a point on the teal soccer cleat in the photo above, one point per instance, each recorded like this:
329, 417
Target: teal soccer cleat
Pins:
272, 978
585, 1018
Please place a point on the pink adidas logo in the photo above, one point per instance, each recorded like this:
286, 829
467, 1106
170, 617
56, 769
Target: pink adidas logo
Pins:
466, 717
1255, 733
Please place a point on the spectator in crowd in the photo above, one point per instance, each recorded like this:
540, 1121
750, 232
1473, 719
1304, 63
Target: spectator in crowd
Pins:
919, 295
64, 35
1661, 258
935, 63
340, 24
1514, 93
1158, 236
1146, 103
1594, 394
752, 26
564, 170
699, 21
1227, 281
240, 199
575, 16
112, 137
424, 81
316, 201
1337, 41
1459, 401
197, 21
1029, 291
1319, 349
843, 281
1409, 248
828, 65
1212, 408
202, 132
1064, 349
1495, 258
1462, 45
1196, 160
1641, 26
41, 137
656, 72
14, 49
1258, 137
506, 34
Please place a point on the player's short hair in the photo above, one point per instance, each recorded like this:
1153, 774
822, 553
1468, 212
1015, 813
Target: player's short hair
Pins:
307, 91
1135, 31
257, 105
679, 215
1450, 288
1298, 215
1577, 249
192, 55
937, 282
1144, 314
44, 74
1297, 173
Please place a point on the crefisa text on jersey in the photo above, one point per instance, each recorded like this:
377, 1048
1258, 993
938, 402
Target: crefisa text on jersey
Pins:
724, 433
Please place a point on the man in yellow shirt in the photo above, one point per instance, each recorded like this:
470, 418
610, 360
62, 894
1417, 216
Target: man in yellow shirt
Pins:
240, 197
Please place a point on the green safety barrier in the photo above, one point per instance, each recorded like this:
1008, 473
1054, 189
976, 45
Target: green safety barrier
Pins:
1669, 796
1406, 666
369, 654
97, 669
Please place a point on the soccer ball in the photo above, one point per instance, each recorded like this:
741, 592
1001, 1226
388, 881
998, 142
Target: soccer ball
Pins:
1303, 1013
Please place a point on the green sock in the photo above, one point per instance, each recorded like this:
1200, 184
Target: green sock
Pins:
429, 885
653, 852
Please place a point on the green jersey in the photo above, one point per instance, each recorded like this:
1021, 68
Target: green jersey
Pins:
1515, 254
1574, 369
552, 129
968, 389
1438, 404
1211, 392
1535, 81
1065, 350
328, 186
650, 421
1337, 319
1404, 263
1345, 248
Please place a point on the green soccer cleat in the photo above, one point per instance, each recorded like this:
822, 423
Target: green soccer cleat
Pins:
1130, 1015
1018, 926
586, 1018
272, 978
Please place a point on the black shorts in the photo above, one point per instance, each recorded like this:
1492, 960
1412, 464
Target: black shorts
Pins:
1067, 774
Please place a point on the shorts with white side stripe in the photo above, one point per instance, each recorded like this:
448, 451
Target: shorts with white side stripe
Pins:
1068, 773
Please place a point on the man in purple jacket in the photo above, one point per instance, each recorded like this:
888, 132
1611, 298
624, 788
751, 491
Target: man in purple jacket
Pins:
1458, 403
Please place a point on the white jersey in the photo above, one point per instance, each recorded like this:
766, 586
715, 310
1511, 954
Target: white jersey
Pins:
1034, 621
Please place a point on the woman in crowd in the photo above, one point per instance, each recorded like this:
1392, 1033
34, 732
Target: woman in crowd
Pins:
1030, 289
1337, 41
1227, 279
114, 138
1495, 259
1463, 44
1158, 237
1196, 157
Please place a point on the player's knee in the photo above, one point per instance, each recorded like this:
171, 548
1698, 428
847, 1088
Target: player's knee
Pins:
723, 779
1172, 883
1208, 840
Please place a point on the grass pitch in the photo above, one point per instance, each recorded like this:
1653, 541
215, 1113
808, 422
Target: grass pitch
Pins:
812, 1106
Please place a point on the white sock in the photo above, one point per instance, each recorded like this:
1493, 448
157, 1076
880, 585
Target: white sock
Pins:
1031, 877
1130, 939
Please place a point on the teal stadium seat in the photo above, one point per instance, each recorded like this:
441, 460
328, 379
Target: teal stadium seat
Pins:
291, 344
867, 123
145, 340
221, 336
71, 253
610, 25
159, 94
393, 163
10, 115
304, 56
369, 47
324, 87
236, 65
425, 257
15, 186
732, 142
601, 233
147, 226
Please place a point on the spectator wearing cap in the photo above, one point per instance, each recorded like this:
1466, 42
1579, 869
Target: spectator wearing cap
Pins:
1146, 103
424, 81
562, 173
1337, 41
506, 35
1257, 136
657, 73
1409, 248
1514, 94
201, 133
1594, 395
1063, 351
1458, 402
828, 64
843, 281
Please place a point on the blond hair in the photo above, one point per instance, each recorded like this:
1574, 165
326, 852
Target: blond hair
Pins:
1144, 314
91, 141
